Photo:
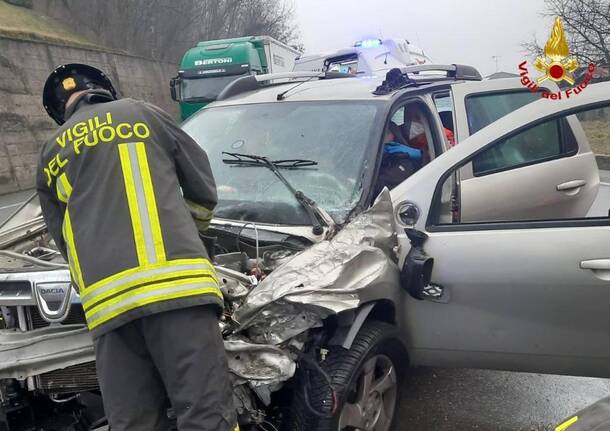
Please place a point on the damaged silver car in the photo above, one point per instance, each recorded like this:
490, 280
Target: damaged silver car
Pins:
288, 309
331, 293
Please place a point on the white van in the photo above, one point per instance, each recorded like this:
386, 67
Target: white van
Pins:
368, 57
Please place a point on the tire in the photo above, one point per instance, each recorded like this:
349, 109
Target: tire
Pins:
376, 350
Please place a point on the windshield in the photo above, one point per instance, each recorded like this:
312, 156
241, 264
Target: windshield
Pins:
205, 89
337, 135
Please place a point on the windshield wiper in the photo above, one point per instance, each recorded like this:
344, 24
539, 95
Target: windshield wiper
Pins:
316, 214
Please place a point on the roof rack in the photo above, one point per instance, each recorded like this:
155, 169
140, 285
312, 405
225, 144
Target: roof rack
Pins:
411, 76
256, 82
455, 71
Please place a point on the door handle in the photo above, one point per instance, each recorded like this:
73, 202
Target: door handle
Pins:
596, 264
600, 268
570, 185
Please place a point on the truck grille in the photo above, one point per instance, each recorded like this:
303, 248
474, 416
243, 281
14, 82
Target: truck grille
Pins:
76, 316
77, 378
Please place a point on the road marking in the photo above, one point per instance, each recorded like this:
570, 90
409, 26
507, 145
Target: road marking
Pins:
604, 184
17, 204
567, 424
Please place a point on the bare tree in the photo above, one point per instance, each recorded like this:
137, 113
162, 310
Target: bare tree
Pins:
165, 29
587, 23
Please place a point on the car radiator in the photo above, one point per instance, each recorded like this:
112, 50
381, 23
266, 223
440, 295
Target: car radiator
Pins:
76, 378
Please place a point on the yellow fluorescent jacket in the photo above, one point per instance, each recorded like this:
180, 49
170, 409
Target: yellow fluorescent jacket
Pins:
124, 192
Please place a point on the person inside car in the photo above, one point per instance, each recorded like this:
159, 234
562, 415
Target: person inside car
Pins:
399, 161
415, 131
447, 121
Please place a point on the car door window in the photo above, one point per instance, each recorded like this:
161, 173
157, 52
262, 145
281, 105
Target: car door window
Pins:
541, 143
484, 109
411, 124
408, 144
417, 129
444, 107
545, 172
398, 117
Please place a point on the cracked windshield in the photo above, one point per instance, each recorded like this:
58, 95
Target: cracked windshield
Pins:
335, 135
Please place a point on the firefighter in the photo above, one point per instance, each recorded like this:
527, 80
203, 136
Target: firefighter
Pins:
124, 192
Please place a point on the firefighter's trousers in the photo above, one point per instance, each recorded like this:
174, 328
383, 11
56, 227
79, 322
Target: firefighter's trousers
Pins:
176, 357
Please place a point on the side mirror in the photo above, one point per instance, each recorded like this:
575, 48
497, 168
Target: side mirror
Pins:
417, 270
174, 88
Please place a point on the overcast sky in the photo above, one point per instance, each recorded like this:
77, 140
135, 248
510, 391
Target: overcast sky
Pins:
449, 31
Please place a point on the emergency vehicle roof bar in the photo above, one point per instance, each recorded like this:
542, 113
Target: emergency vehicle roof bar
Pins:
256, 82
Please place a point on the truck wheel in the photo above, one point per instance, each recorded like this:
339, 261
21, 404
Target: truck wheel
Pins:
366, 381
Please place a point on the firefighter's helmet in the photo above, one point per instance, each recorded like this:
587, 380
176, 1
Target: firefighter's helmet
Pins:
68, 79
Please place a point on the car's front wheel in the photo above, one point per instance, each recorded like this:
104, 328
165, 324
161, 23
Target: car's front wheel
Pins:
355, 389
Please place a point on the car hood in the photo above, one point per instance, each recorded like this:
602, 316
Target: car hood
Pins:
25, 222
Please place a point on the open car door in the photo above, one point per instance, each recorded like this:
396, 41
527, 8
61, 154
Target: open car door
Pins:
559, 147
511, 292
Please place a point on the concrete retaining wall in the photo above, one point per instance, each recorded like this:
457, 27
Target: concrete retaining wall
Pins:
24, 124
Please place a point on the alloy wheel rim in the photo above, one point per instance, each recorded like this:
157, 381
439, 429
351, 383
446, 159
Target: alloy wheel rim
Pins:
370, 405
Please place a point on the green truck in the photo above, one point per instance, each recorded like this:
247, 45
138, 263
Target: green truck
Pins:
208, 67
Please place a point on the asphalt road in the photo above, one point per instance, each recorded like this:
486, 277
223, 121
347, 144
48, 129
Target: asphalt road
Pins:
461, 399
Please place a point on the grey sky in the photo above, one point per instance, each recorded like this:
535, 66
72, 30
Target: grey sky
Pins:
449, 31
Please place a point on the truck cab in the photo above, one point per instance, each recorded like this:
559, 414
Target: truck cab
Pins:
209, 66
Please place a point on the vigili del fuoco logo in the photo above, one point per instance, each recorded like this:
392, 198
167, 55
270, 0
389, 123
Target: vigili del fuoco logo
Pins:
556, 65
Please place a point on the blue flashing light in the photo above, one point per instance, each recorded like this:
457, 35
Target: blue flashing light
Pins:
368, 43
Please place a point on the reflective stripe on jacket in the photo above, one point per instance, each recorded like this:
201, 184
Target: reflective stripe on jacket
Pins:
124, 192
